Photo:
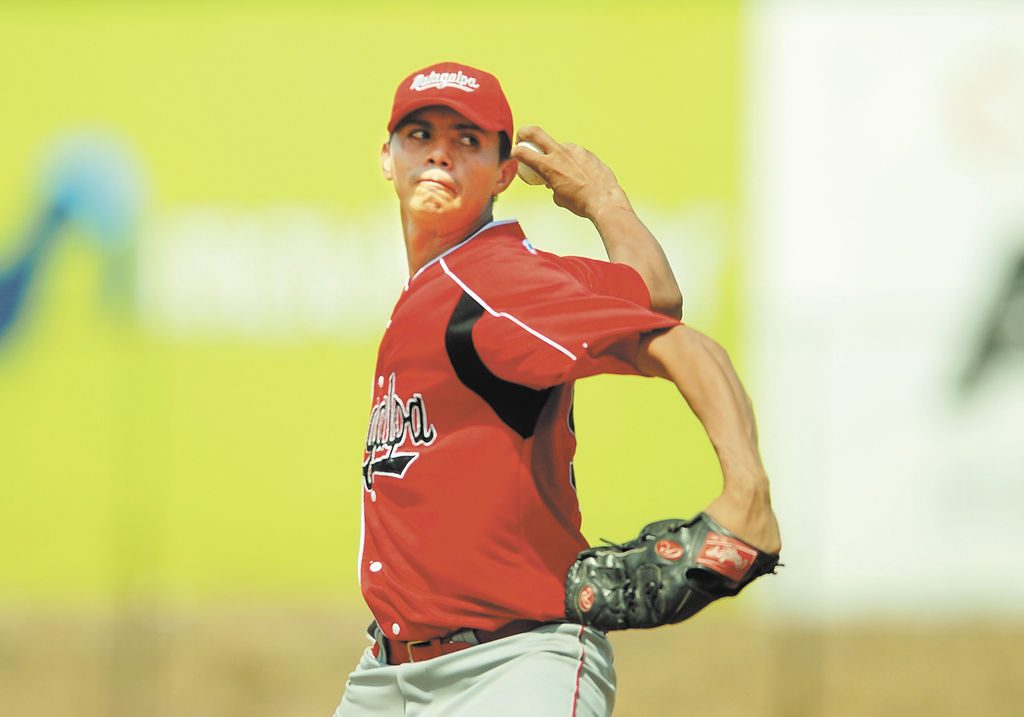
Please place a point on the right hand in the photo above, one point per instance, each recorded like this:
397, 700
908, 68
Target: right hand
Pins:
579, 181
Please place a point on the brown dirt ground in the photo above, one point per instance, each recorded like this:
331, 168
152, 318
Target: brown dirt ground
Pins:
287, 661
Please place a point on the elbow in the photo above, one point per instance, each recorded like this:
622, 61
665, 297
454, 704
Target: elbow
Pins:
668, 303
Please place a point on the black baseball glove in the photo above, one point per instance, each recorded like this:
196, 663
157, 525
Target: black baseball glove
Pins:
669, 572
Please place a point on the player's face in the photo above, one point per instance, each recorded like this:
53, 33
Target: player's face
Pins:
445, 169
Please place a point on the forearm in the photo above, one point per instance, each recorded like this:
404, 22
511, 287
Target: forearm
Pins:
628, 241
704, 375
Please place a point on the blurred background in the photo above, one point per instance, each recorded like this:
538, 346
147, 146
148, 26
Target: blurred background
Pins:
198, 254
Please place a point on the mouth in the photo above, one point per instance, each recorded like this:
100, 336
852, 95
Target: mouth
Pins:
436, 180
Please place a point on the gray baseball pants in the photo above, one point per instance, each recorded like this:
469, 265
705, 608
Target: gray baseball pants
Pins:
557, 670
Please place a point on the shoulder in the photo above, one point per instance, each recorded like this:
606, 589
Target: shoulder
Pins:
507, 263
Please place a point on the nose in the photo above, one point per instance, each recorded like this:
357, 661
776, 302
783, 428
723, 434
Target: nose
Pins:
440, 154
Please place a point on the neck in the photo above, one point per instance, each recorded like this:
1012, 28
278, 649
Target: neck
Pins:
425, 241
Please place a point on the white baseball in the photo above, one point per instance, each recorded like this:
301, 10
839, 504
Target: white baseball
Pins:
525, 173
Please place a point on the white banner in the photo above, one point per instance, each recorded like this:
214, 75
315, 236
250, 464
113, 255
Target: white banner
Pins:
885, 185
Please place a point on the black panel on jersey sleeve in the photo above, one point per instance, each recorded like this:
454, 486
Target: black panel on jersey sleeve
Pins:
517, 406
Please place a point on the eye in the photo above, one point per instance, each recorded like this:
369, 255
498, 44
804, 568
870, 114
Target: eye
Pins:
470, 140
419, 134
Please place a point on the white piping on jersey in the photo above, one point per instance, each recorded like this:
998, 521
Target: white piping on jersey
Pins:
502, 314
465, 241
362, 537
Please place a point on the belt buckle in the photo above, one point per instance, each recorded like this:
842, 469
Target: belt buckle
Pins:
420, 643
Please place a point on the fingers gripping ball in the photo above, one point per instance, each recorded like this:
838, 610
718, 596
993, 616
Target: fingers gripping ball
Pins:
667, 574
525, 173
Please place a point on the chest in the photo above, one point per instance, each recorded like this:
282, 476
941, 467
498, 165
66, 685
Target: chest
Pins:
412, 349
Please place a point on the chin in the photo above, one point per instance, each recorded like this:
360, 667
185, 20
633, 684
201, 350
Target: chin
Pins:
432, 207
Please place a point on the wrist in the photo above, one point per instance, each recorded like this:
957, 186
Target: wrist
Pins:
742, 467
748, 490
611, 204
746, 484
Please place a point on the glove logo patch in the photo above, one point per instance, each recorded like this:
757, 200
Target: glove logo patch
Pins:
586, 598
668, 549
728, 556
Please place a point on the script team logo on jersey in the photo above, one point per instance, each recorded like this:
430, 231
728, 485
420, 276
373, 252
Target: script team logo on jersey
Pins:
392, 422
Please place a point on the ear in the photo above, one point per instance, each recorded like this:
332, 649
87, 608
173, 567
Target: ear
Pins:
385, 161
507, 171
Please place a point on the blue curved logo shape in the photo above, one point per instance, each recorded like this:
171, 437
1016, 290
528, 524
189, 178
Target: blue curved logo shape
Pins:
89, 181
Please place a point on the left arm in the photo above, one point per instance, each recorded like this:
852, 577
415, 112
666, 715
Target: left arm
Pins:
703, 373
587, 187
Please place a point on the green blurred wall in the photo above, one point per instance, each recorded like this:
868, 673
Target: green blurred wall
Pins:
135, 465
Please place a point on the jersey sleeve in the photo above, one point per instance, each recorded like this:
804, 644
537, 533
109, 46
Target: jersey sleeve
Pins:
606, 278
548, 327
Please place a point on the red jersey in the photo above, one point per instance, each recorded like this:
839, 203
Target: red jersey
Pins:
470, 517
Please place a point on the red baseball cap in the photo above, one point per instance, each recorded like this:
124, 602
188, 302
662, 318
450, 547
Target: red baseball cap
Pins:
473, 93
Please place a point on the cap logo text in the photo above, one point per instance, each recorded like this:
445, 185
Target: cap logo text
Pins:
441, 80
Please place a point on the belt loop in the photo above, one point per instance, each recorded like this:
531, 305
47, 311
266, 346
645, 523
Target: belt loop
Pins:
374, 631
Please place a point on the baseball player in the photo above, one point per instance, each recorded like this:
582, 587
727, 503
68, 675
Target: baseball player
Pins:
485, 596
